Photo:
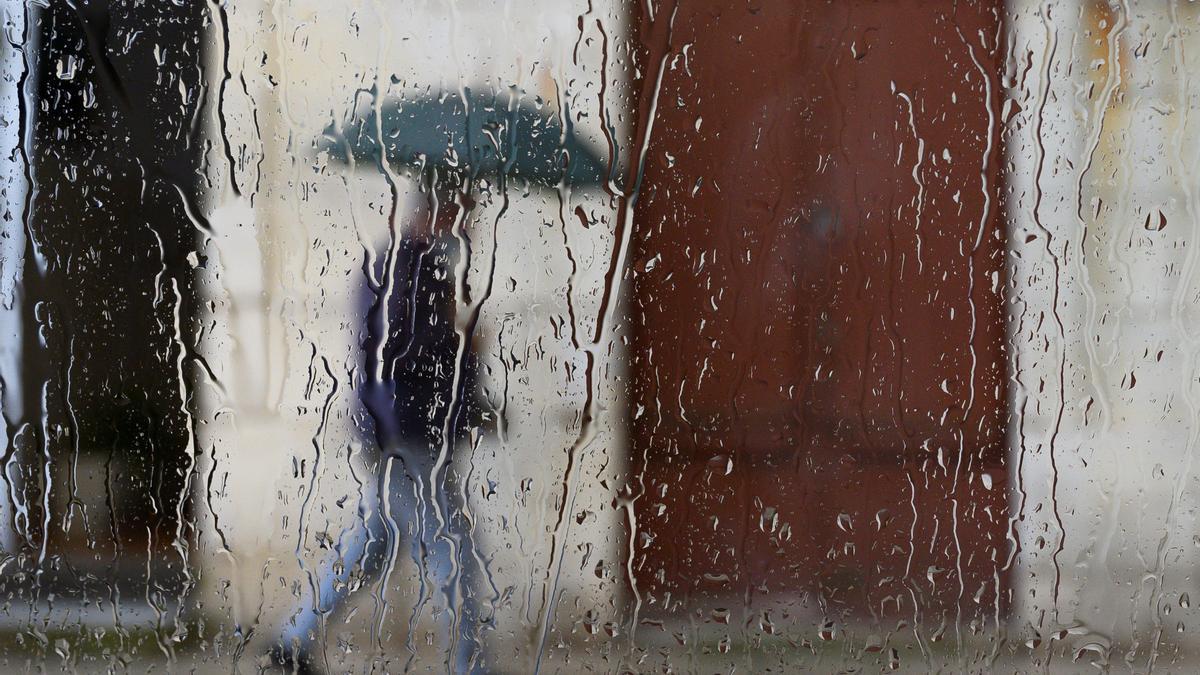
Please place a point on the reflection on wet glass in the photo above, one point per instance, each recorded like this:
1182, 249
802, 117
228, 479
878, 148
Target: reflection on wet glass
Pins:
667, 336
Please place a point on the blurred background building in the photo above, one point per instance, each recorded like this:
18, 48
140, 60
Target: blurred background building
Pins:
868, 346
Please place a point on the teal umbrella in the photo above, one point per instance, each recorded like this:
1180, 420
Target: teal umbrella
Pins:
495, 135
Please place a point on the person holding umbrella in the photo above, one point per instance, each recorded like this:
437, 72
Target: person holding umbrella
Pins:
420, 384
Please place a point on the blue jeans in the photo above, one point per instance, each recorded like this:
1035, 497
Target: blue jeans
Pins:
430, 524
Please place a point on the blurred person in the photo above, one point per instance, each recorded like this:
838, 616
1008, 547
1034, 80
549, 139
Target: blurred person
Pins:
421, 382
422, 396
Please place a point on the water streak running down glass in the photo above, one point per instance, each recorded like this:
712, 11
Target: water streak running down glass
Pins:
787, 336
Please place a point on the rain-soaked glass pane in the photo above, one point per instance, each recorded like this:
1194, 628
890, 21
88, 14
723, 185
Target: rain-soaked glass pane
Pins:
618, 336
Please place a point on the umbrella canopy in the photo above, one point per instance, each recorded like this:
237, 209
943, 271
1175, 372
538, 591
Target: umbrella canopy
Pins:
496, 134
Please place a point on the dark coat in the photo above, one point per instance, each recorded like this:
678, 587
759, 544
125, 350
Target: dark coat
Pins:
415, 347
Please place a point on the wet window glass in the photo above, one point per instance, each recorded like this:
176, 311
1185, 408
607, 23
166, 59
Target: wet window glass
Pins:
593, 336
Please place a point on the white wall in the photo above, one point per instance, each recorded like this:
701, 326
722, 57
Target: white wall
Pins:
285, 269
1103, 323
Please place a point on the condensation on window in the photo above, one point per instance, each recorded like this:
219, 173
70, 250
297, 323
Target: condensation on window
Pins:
352, 336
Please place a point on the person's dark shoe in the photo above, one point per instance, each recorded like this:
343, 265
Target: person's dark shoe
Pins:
298, 661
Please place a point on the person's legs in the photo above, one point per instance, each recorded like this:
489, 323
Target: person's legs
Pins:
358, 552
441, 546
443, 549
